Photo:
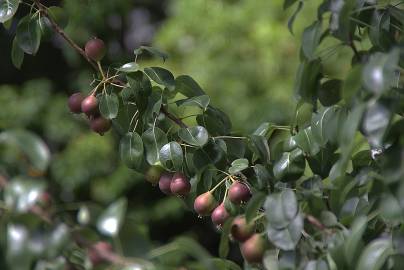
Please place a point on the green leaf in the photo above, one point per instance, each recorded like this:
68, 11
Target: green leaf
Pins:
131, 150
307, 80
254, 204
17, 55
171, 156
111, 220
263, 176
375, 254
352, 245
215, 121
259, 145
281, 209
271, 260
376, 121
316, 265
161, 76
290, 166
198, 101
320, 121
31, 146
224, 238
306, 141
340, 22
18, 253
197, 136
140, 89
287, 238
28, 35
294, 15
7, 9
129, 67
379, 31
311, 39
153, 139
187, 86
109, 105
330, 92
379, 73
397, 13
238, 165
352, 83
23, 193
265, 130
151, 50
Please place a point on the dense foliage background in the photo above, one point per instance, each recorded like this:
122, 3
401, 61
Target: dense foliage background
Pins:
330, 168
83, 164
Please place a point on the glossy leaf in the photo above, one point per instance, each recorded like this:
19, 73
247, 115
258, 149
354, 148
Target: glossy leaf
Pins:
129, 67
131, 150
260, 147
238, 165
188, 86
22, 193
7, 9
215, 121
197, 136
198, 101
109, 105
17, 55
151, 50
375, 255
28, 35
306, 141
253, 205
30, 145
290, 166
311, 39
161, 76
281, 209
307, 80
110, 221
171, 156
353, 243
378, 74
288, 237
153, 139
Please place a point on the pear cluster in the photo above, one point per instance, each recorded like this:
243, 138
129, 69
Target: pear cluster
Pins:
173, 183
78, 103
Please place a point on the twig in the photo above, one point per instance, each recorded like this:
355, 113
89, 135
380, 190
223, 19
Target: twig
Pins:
43, 10
172, 117
315, 222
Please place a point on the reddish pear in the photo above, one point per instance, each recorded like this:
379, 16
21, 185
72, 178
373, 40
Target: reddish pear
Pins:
220, 215
204, 204
239, 193
89, 105
74, 102
96, 251
95, 49
180, 185
240, 230
165, 182
100, 125
253, 249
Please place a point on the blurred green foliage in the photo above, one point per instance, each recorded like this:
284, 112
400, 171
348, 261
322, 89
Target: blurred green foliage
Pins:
239, 51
